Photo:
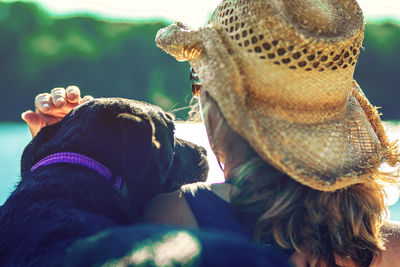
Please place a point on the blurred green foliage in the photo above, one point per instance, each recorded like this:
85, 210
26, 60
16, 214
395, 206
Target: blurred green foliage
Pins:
378, 67
104, 58
39, 52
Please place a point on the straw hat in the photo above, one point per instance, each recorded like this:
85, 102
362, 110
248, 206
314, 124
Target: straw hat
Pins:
281, 72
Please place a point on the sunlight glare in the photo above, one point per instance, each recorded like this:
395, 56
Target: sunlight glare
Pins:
196, 133
191, 12
176, 248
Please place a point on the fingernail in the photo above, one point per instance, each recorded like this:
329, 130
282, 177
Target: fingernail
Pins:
45, 106
87, 98
60, 100
72, 94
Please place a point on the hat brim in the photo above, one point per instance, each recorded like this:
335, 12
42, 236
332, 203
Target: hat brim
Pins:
325, 155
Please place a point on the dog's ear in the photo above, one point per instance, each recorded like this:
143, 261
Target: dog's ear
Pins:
137, 143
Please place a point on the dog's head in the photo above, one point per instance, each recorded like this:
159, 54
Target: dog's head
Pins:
135, 140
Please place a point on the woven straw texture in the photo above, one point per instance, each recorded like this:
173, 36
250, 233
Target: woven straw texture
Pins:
281, 72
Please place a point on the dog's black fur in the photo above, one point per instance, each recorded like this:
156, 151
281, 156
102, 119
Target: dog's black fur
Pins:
55, 205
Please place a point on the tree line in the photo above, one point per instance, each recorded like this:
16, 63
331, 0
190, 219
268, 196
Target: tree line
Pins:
106, 58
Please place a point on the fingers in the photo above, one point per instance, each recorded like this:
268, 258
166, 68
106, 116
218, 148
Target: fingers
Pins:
43, 102
34, 121
73, 94
87, 98
58, 97
52, 107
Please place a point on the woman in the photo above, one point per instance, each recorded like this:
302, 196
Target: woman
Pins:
299, 141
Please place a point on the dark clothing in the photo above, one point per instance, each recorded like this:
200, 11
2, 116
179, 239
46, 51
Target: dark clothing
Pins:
212, 212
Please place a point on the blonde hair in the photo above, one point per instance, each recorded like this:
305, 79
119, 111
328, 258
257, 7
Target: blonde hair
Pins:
325, 225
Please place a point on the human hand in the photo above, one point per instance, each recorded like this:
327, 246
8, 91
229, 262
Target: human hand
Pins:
52, 107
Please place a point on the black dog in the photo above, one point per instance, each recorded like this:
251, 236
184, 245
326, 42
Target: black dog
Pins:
56, 204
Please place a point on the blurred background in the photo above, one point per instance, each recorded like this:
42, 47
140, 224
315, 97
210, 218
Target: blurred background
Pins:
107, 48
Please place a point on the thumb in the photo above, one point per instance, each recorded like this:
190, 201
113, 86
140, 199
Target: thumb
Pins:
34, 121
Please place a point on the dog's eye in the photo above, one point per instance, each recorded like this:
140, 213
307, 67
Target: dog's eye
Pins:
195, 82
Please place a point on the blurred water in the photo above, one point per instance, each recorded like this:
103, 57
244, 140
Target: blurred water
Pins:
13, 139
15, 136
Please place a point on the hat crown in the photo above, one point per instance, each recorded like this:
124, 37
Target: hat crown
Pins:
334, 19
281, 72
294, 54
326, 19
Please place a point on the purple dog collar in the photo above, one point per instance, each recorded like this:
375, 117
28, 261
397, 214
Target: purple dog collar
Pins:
82, 160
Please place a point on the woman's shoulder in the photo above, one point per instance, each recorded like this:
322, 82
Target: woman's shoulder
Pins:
391, 256
172, 208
